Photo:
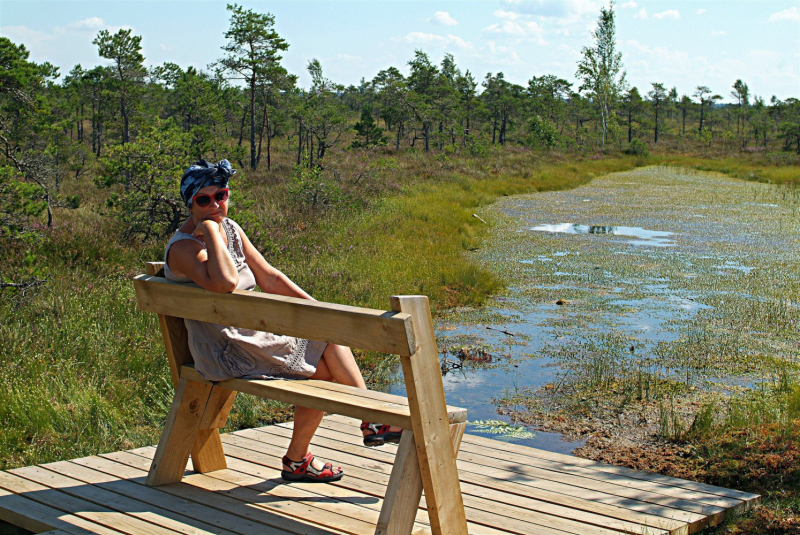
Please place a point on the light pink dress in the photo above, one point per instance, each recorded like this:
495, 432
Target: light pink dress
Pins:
222, 352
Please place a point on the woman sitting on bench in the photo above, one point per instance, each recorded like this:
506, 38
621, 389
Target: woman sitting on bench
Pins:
214, 252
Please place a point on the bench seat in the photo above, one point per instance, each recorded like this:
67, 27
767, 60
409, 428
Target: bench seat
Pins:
426, 455
330, 397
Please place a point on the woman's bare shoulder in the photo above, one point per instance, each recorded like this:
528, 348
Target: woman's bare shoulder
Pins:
183, 255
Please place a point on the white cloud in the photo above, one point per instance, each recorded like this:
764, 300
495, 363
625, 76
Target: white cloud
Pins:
629, 5
347, 57
508, 15
434, 39
668, 14
791, 14
501, 55
715, 33
559, 9
529, 30
92, 23
443, 18
641, 15
701, 11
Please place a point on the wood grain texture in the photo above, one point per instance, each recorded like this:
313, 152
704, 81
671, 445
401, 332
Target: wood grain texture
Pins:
218, 408
430, 422
403, 491
179, 432
306, 394
503, 487
207, 453
173, 331
141, 517
455, 414
251, 520
377, 330
484, 444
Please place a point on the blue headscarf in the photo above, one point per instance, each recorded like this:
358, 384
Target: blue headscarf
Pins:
202, 174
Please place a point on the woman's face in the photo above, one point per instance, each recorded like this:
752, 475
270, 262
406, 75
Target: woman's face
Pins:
214, 210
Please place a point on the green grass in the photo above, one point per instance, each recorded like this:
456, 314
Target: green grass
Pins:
85, 371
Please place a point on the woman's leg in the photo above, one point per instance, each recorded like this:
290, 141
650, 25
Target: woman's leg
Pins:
336, 364
306, 422
341, 366
343, 369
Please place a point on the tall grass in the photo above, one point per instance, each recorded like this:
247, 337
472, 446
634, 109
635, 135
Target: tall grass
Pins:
84, 371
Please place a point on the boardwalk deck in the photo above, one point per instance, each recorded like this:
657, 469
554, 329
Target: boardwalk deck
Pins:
507, 489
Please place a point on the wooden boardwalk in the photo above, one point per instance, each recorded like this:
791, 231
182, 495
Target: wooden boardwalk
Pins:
506, 488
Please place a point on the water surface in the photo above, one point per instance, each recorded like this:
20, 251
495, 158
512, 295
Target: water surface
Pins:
691, 270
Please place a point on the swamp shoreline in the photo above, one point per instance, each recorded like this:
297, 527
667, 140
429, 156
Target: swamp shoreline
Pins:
85, 372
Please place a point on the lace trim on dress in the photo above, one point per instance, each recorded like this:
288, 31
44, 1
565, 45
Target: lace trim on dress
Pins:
234, 243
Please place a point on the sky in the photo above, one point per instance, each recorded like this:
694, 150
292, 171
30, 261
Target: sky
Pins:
681, 44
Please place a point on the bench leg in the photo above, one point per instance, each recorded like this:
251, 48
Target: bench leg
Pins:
404, 492
207, 454
437, 461
179, 433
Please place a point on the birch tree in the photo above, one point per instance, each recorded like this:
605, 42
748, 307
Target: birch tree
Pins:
600, 69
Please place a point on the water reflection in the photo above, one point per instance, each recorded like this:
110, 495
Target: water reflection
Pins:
657, 238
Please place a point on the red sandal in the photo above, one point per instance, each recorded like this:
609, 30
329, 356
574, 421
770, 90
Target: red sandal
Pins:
305, 471
381, 435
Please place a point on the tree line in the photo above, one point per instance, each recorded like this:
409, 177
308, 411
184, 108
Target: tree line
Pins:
143, 125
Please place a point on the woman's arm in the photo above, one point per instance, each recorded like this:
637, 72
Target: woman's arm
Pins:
211, 268
269, 279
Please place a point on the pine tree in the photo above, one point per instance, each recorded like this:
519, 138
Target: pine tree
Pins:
368, 129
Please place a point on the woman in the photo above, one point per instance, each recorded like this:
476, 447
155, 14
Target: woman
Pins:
214, 252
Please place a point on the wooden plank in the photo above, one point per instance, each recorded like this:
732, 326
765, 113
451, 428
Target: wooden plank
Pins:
290, 498
93, 513
305, 394
429, 420
218, 408
403, 491
456, 414
580, 485
747, 497
252, 518
497, 454
215, 501
129, 481
370, 475
377, 330
149, 514
550, 492
207, 454
630, 523
476, 464
179, 432
173, 331
37, 517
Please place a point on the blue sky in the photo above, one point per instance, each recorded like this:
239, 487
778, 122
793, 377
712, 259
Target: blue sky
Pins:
678, 43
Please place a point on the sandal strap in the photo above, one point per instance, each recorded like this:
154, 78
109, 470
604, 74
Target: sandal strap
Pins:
299, 467
375, 427
322, 472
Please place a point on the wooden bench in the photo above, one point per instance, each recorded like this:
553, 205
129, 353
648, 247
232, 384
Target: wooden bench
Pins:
426, 456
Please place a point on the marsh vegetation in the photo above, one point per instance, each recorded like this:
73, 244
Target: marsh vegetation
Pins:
655, 318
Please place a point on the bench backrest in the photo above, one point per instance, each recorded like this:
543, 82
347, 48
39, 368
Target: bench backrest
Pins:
406, 330
376, 330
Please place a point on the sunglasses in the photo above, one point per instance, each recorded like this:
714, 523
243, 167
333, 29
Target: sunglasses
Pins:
202, 200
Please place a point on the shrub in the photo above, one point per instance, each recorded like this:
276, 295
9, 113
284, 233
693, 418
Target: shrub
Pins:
637, 147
